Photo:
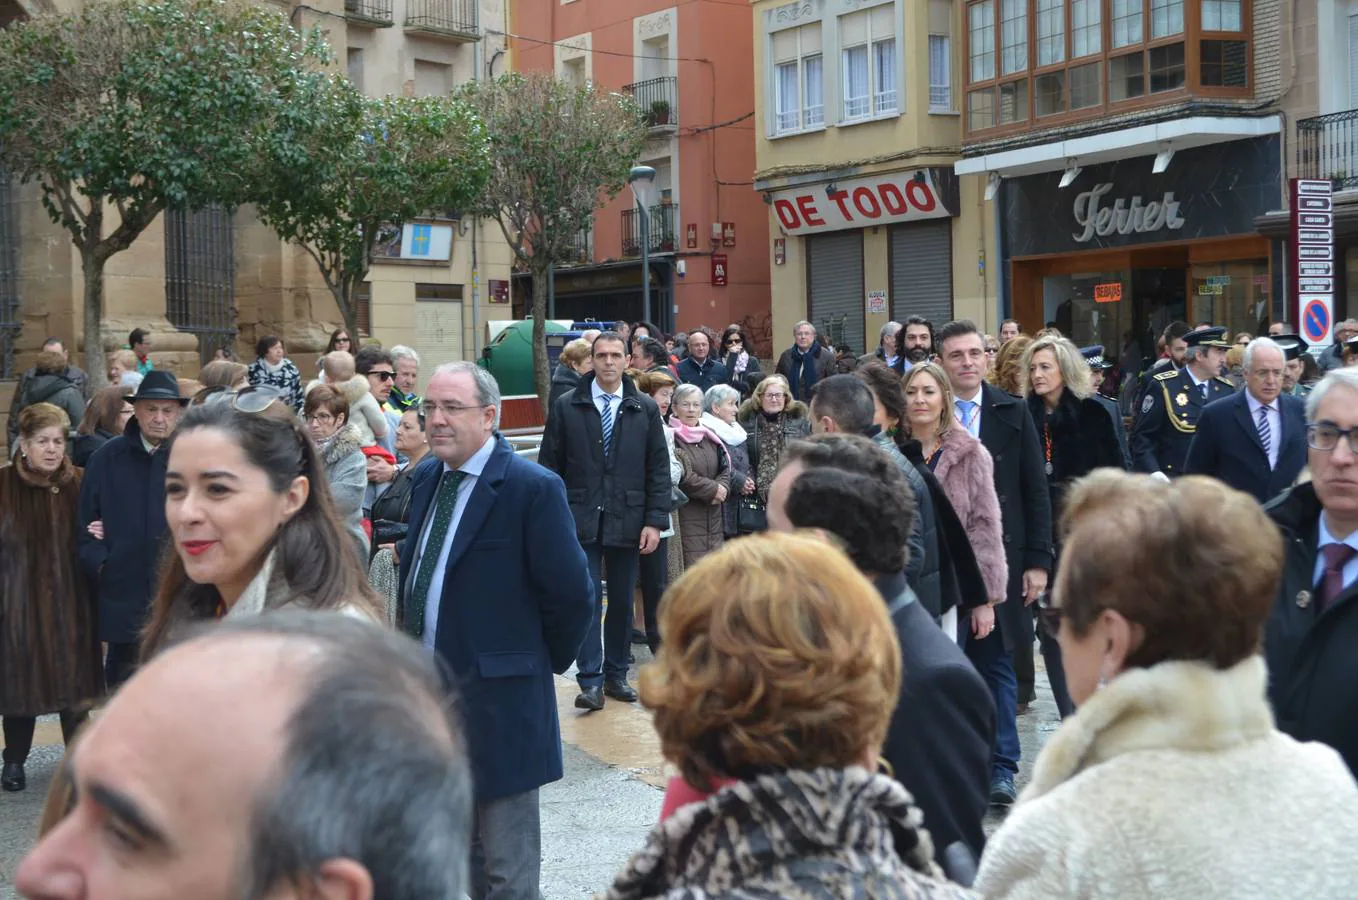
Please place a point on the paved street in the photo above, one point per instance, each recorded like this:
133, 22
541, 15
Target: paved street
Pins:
592, 820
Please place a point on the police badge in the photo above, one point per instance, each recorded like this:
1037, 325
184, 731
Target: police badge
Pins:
1147, 404
1181, 399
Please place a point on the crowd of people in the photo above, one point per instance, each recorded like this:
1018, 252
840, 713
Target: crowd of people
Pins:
843, 566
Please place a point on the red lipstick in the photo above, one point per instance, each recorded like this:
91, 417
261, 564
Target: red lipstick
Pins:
196, 548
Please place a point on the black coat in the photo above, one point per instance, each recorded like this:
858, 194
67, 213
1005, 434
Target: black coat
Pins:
703, 375
1168, 418
1007, 431
1312, 666
940, 737
823, 366
741, 381
124, 487
1082, 440
613, 499
1227, 447
1111, 407
84, 445
564, 379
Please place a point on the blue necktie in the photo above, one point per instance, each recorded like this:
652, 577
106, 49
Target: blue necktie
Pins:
968, 410
606, 418
445, 503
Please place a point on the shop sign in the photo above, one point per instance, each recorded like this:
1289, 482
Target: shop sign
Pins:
1124, 216
1108, 293
498, 290
1312, 202
878, 200
719, 270
876, 303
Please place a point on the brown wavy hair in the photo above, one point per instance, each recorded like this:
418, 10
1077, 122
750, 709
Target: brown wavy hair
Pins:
1006, 371
779, 655
105, 408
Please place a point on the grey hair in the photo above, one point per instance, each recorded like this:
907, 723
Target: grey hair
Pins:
718, 393
487, 388
373, 766
401, 351
800, 324
1192, 353
684, 390
1253, 348
1346, 377
889, 328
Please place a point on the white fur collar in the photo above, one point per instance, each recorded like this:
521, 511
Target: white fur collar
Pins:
1171, 706
731, 435
256, 595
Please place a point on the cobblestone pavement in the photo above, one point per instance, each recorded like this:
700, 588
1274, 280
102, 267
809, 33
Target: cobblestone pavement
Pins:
592, 820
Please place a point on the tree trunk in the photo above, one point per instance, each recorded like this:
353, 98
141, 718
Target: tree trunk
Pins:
348, 311
542, 379
92, 268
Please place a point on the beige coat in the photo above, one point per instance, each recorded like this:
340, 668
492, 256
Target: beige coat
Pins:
1172, 783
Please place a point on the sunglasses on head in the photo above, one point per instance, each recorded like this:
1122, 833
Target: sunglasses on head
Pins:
253, 399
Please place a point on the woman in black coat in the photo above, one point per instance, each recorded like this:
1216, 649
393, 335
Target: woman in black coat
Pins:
740, 360
105, 418
1077, 436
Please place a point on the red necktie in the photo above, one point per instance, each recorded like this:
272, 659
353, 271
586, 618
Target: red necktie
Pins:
1332, 582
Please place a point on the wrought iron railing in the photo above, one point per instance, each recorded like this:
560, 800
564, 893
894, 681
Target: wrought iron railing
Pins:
662, 229
457, 19
200, 276
11, 322
372, 12
658, 99
582, 252
1327, 148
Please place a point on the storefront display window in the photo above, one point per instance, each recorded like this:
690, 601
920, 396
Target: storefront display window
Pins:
1234, 294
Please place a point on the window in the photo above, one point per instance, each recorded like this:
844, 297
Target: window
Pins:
1014, 35
1086, 27
354, 66
1085, 84
200, 268
1127, 76
1167, 18
1013, 102
868, 50
432, 79
1223, 63
1221, 15
981, 27
940, 73
1166, 68
1051, 32
798, 79
981, 109
1127, 27
1050, 93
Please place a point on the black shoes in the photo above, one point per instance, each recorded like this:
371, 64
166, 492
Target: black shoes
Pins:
12, 778
1002, 790
590, 699
620, 690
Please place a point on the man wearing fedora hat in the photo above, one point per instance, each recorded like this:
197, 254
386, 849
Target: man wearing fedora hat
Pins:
122, 519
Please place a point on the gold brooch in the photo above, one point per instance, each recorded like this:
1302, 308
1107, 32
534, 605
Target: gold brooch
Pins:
1182, 399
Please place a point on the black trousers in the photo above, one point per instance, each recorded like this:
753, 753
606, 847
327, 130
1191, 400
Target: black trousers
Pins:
654, 573
1056, 671
120, 663
19, 733
1023, 670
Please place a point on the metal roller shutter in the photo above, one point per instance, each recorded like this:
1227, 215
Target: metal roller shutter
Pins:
835, 279
921, 271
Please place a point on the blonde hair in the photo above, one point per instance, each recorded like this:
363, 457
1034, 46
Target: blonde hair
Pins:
339, 366
778, 655
576, 352
1071, 363
125, 358
934, 371
772, 380
1005, 370
1235, 357
37, 416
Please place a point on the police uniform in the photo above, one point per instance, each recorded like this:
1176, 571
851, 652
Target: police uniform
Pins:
1293, 346
1147, 381
1094, 356
1169, 411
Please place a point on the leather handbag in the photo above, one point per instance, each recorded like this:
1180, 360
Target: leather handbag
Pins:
751, 516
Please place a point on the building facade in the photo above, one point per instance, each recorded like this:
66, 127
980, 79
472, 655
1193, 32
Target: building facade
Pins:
206, 280
1128, 147
859, 124
687, 66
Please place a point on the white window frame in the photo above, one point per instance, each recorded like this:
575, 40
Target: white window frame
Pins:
876, 103
810, 117
940, 87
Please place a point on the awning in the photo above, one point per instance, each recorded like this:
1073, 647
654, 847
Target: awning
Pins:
1126, 143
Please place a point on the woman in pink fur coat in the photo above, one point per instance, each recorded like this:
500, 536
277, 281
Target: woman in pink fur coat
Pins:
964, 468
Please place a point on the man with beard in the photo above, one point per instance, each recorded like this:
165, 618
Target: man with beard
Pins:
919, 340
1175, 349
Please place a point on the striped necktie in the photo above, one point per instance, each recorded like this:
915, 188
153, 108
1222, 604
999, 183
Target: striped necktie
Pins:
1265, 432
606, 419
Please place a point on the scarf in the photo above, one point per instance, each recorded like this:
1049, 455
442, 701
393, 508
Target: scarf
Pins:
270, 367
732, 435
805, 367
696, 434
741, 362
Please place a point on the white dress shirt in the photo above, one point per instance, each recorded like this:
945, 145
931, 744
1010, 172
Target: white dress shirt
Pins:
1325, 537
974, 424
599, 393
471, 470
1275, 425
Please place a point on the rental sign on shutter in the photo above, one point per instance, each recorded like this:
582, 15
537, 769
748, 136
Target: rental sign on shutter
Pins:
863, 202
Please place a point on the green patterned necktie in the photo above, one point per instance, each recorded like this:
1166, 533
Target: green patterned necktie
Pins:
444, 506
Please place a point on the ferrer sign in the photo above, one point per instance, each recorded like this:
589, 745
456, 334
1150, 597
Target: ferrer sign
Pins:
1123, 217
863, 202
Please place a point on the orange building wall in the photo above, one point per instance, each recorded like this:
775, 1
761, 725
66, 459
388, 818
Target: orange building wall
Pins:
713, 41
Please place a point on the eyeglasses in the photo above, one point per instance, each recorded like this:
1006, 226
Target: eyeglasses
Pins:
1325, 437
773, 396
427, 409
253, 399
320, 419
383, 374
992, 350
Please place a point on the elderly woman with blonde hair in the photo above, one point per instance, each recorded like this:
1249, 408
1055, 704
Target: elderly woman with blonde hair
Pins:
780, 797
1171, 780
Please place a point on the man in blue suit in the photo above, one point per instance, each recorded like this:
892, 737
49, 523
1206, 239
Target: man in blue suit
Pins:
493, 580
1254, 441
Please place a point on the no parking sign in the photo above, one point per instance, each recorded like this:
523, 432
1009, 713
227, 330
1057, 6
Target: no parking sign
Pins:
1315, 318
1312, 258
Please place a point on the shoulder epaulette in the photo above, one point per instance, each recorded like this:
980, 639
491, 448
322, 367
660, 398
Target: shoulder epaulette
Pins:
1226, 381
1167, 375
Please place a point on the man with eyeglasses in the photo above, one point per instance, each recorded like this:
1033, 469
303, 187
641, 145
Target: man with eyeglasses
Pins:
1255, 441
1310, 637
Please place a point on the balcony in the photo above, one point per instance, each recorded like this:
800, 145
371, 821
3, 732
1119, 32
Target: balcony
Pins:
659, 101
457, 21
662, 230
1327, 148
582, 252
370, 13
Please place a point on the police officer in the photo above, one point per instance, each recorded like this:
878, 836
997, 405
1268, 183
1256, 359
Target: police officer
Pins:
1175, 349
1097, 367
1293, 347
1169, 411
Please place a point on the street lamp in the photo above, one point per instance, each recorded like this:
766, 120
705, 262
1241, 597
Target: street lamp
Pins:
642, 181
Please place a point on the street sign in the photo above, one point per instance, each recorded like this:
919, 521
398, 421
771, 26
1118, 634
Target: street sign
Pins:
1315, 320
1312, 253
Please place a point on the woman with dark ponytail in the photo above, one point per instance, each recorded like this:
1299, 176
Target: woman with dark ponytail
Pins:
251, 520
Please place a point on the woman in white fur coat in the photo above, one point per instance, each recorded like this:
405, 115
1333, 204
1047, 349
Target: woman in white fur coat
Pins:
1171, 781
